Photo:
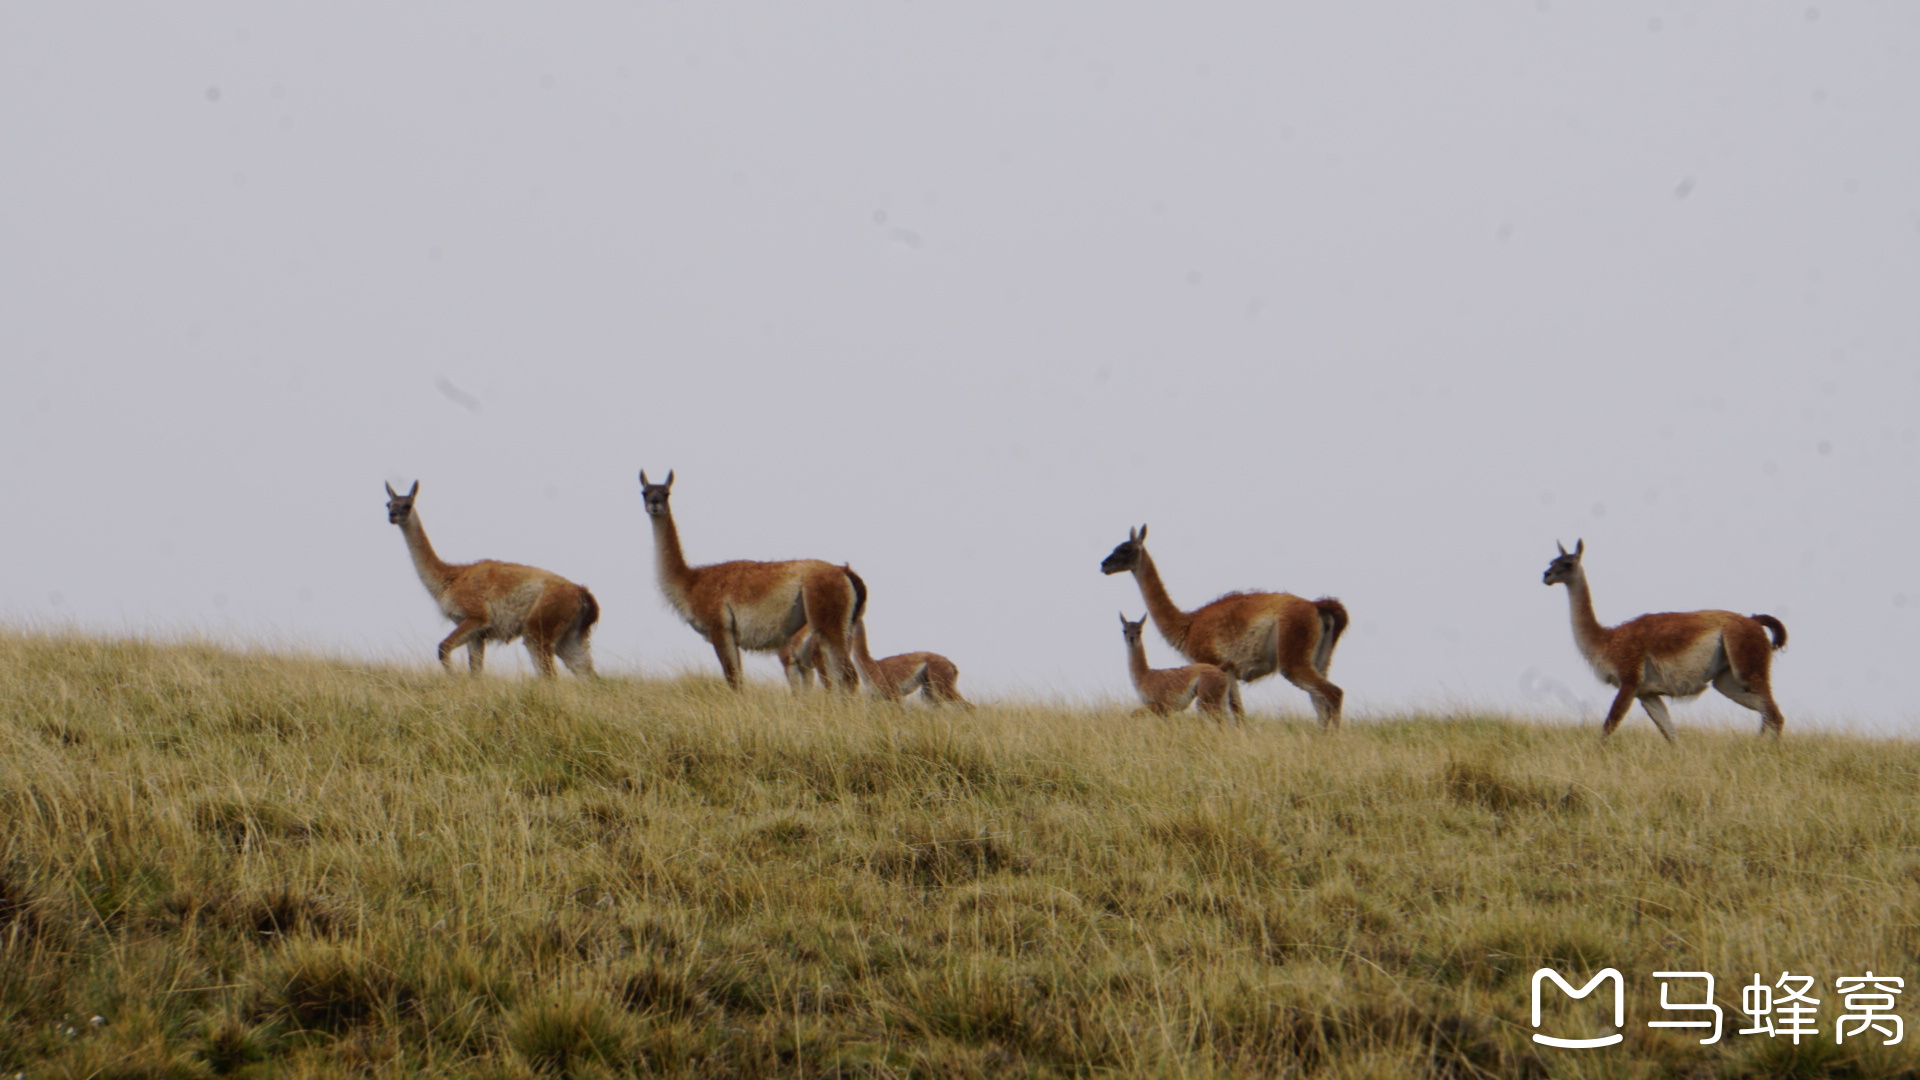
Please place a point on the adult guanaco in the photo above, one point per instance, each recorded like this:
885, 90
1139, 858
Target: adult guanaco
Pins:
1672, 654
1171, 690
1257, 633
499, 601
755, 605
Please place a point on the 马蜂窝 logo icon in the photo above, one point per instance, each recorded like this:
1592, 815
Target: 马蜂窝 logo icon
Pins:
1619, 1006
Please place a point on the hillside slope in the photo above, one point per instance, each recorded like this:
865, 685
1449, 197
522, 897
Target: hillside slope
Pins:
232, 863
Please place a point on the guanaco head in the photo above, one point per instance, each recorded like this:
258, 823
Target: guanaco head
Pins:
400, 507
1563, 569
1130, 629
655, 495
1127, 555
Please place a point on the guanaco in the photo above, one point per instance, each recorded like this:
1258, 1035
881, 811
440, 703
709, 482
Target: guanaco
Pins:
1672, 654
755, 605
499, 601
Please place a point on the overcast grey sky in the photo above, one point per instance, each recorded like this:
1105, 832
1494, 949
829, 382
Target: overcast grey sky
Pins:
1375, 301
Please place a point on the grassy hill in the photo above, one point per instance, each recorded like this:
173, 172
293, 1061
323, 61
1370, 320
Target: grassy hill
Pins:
224, 863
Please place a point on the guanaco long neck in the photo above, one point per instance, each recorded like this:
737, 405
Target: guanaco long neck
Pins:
863, 657
1137, 661
1587, 631
434, 572
860, 651
669, 564
1167, 617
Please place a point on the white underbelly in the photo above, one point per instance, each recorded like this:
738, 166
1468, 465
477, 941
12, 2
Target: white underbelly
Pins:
507, 615
1688, 673
766, 625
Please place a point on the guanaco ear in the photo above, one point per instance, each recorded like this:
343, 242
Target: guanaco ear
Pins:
1123, 619
392, 494
669, 484
1561, 546
1143, 533
643, 478
1579, 548
415, 490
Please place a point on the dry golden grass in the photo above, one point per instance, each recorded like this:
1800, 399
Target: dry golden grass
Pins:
217, 863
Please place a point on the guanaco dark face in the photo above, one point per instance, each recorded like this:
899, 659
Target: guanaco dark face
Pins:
1562, 570
655, 495
1131, 630
1127, 555
399, 506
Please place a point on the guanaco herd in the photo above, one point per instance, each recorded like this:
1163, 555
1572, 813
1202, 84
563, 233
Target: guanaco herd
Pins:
811, 613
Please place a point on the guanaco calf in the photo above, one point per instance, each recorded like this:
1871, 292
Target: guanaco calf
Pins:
755, 605
500, 601
1672, 654
1257, 633
1171, 690
894, 677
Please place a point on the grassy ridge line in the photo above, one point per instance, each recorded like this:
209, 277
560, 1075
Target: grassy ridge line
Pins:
258, 865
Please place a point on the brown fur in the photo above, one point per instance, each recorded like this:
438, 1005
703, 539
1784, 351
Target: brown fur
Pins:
756, 606
1257, 633
499, 601
1171, 690
1677, 653
895, 678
